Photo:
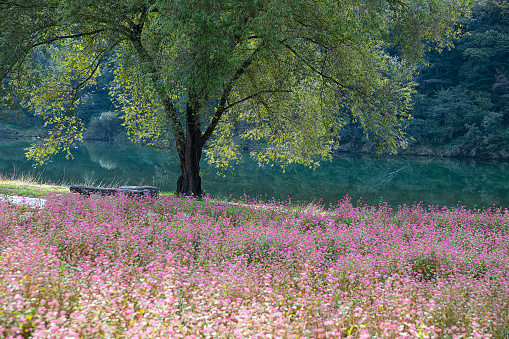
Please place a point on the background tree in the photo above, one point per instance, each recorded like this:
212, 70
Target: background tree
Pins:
462, 102
284, 74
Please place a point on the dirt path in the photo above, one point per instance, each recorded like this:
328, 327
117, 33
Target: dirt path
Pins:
24, 201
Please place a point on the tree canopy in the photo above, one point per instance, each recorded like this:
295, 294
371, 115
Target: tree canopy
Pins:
284, 74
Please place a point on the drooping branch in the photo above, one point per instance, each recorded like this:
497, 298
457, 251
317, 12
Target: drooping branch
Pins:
60, 126
363, 95
95, 67
63, 37
25, 50
254, 95
147, 60
222, 107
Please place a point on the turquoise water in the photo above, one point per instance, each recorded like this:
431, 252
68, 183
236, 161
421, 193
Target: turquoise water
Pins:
396, 180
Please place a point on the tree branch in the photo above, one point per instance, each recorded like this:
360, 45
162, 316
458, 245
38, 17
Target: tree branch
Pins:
323, 75
72, 36
97, 61
221, 108
255, 95
171, 112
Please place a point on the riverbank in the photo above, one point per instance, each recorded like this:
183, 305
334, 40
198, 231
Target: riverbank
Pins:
28, 186
27, 192
453, 151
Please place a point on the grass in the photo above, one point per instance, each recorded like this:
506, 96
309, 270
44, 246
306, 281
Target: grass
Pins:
117, 267
29, 186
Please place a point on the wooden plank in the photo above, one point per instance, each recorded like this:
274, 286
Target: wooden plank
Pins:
150, 191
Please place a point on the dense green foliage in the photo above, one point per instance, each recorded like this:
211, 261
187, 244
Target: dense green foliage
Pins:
286, 75
228, 32
461, 107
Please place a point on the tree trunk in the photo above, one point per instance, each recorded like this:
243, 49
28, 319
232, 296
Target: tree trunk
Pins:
189, 151
189, 144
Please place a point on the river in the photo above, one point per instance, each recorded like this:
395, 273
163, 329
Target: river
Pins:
370, 179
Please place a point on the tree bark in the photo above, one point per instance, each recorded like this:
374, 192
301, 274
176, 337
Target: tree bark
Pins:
190, 151
189, 143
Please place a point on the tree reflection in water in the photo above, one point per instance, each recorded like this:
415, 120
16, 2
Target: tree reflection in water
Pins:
397, 180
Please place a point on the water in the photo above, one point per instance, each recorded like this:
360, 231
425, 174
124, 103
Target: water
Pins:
396, 180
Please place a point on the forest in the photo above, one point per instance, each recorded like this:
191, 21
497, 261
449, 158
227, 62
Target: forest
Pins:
460, 105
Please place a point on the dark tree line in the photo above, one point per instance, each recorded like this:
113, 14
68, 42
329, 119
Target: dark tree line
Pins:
461, 107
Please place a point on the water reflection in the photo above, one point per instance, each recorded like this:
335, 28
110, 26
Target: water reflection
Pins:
94, 163
399, 180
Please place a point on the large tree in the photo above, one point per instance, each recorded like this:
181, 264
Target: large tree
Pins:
284, 74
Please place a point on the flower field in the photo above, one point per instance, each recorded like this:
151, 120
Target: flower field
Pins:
117, 267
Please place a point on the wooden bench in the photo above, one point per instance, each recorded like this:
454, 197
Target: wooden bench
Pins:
149, 191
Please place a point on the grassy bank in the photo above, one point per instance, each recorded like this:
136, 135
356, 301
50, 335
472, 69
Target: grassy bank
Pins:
30, 186
115, 267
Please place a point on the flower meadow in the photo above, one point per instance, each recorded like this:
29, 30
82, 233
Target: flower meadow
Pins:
120, 267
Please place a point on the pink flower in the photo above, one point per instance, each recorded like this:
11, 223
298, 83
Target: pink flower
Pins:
364, 334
